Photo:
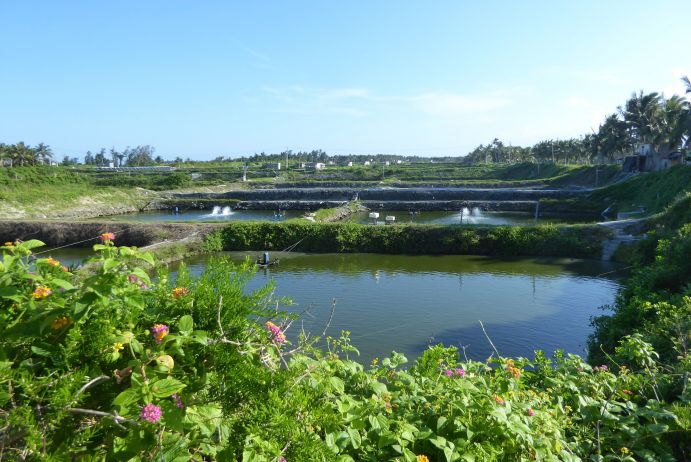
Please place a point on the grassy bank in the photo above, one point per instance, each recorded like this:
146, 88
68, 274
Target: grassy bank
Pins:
40, 192
571, 241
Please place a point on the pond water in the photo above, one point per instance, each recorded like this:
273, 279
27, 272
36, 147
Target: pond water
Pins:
404, 303
466, 216
216, 214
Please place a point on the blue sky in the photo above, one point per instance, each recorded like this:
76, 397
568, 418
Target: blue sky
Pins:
200, 79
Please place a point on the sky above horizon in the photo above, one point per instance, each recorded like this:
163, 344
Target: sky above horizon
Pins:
219, 78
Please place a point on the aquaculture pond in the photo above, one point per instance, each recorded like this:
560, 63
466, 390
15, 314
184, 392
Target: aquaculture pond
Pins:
404, 303
465, 216
213, 215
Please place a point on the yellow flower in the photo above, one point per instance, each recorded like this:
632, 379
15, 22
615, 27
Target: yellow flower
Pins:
52, 261
117, 346
180, 291
516, 372
59, 323
625, 451
422, 458
9, 244
498, 399
41, 292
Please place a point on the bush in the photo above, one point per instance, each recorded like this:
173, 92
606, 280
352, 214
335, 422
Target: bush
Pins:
110, 364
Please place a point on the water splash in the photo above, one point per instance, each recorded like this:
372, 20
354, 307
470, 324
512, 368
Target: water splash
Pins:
219, 211
471, 216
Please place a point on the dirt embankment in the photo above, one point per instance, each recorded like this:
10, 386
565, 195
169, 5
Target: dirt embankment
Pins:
85, 234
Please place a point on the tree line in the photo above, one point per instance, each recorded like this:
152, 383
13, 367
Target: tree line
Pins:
645, 118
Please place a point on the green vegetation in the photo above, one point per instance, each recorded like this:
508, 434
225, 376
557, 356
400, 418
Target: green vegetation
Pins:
654, 190
42, 191
110, 365
656, 300
548, 240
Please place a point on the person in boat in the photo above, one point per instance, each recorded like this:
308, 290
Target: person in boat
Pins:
264, 259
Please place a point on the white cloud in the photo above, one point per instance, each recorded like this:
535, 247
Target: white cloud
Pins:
454, 104
361, 101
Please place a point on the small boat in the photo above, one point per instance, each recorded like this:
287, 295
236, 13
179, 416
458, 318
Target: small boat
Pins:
261, 264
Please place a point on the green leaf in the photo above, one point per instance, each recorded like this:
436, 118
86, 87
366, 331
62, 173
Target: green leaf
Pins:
32, 244
355, 438
337, 384
205, 418
186, 324
40, 351
166, 387
378, 387
62, 283
147, 257
127, 398
6, 292
109, 264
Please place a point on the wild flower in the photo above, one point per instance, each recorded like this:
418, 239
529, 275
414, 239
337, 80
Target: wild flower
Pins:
448, 373
9, 244
133, 279
602, 368
117, 346
59, 323
151, 413
282, 459
107, 237
460, 372
41, 292
498, 399
276, 333
159, 331
64, 269
422, 458
52, 262
180, 292
178, 401
516, 372
627, 392
530, 412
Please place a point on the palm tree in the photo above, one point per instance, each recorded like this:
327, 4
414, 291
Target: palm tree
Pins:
686, 80
642, 114
43, 153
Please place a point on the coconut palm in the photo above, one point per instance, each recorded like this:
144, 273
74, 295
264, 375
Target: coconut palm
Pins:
643, 116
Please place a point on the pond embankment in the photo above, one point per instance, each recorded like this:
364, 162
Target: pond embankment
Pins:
581, 241
180, 239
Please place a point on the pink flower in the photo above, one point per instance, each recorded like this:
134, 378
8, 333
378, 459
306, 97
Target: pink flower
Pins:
282, 459
448, 372
276, 333
132, 278
178, 400
151, 413
159, 331
460, 372
107, 237
530, 412
602, 368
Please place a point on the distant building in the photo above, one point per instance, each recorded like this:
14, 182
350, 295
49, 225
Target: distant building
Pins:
647, 159
387, 163
314, 165
350, 164
273, 165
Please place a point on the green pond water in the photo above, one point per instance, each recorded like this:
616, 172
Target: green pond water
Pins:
217, 214
404, 303
468, 217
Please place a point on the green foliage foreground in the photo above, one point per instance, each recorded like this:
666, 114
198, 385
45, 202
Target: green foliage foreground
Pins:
110, 365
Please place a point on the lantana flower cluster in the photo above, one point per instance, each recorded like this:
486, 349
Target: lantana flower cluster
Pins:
277, 334
159, 331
